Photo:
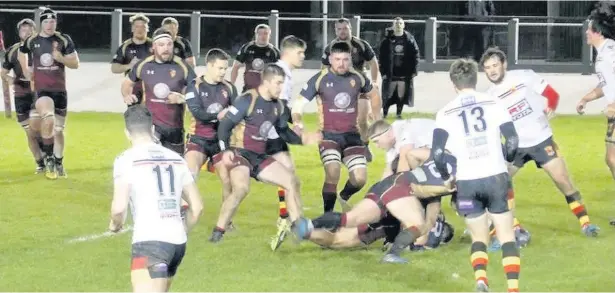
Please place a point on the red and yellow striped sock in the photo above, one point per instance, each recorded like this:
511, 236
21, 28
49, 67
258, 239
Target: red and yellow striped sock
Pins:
575, 203
512, 265
479, 259
282, 198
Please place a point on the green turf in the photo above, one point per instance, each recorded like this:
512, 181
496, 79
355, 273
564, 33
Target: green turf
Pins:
38, 216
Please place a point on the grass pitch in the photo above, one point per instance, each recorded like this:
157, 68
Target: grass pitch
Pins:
38, 217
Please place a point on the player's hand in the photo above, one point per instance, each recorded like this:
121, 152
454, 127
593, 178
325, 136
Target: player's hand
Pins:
581, 107
550, 113
130, 99
113, 227
175, 98
57, 55
311, 138
610, 111
450, 183
228, 157
221, 114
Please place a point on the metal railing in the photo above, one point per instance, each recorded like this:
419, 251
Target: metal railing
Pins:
433, 35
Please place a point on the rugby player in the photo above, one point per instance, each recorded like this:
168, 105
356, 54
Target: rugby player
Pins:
207, 97
51, 52
338, 88
138, 47
471, 127
181, 46
154, 180
600, 35
27, 116
362, 53
291, 57
243, 135
164, 77
523, 94
254, 55
398, 196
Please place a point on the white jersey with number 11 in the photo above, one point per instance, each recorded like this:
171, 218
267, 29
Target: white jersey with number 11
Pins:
156, 176
473, 121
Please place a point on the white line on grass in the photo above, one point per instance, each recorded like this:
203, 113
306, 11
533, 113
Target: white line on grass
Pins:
93, 237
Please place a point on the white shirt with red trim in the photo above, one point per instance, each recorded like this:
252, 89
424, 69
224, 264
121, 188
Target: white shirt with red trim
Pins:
157, 177
521, 93
605, 69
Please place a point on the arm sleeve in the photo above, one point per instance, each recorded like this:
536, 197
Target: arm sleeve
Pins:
511, 138
6, 64
187, 48
367, 86
133, 75
417, 54
241, 54
121, 168
607, 76
191, 75
25, 48
119, 57
235, 114
233, 96
286, 133
309, 90
381, 55
325, 56
440, 137
196, 106
69, 47
368, 51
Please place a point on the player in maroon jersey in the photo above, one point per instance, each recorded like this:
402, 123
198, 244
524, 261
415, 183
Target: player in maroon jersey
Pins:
164, 77
27, 116
181, 46
51, 53
254, 55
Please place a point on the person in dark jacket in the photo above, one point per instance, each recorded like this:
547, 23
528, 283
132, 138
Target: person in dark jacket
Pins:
399, 60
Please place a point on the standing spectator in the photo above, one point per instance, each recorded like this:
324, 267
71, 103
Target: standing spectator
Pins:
474, 41
399, 60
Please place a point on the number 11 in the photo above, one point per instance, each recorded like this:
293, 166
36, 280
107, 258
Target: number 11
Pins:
168, 170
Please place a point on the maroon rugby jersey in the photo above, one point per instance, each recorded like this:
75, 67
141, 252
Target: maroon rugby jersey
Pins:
255, 57
205, 101
21, 86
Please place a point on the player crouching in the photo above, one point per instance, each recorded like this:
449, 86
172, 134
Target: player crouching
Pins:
396, 196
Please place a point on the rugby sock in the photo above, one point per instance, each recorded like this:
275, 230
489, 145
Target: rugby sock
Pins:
48, 146
40, 163
404, 239
349, 190
575, 203
210, 167
282, 198
329, 221
479, 259
58, 160
512, 265
329, 196
511, 206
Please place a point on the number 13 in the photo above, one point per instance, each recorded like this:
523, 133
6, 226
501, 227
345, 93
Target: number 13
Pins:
480, 124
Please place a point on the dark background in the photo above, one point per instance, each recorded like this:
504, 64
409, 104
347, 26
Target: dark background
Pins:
91, 33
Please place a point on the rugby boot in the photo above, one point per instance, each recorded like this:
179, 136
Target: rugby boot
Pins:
40, 166
612, 222
590, 230
346, 207
393, 258
523, 237
216, 236
495, 244
283, 229
481, 287
301, 229
50, 168
60, 171
230, 227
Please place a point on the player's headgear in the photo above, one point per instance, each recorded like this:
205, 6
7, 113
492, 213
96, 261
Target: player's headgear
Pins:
26, 21
271, 70
490, 52
340, 47
602, 20
48, 14
161, 34
378, 128
138, 119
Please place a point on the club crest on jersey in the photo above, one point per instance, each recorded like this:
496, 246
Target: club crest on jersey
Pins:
224, 94
176, 50
172, 73
267, 54
352, 83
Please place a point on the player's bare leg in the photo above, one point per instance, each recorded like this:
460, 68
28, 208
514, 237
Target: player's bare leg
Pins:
610, 161
556, 168
195, 160
277, 174
409, 211
240, 184
364, 109
142, 282
283, 224
342, 238
58, 144
357, 176
46, 108
33, 140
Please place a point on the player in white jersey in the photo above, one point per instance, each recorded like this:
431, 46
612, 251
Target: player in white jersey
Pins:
471, 127
154, 180
291, 57
523, 94
600, 35
399, 139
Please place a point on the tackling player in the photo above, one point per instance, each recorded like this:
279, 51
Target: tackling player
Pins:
362, 53
207, 97
27, 116
291, 57
51, 52
471, 127
254, 55
154, 180
523, 94
600, 35
164, 78
243, 135
137, 48
181, 46
397, 196
338, 88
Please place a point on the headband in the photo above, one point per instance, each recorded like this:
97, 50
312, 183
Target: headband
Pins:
380, 133
161, 36
48, 14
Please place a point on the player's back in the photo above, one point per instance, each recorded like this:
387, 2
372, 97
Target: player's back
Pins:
415, 131
472, 121
156, 176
